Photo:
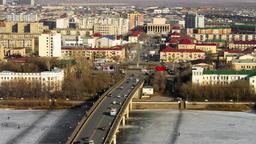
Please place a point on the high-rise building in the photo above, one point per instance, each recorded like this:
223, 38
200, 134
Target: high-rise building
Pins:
21, 27
50, 45
22, 17
200, 21
194, 21
2, 2
62, 23
135, 19
27, 2
105, 25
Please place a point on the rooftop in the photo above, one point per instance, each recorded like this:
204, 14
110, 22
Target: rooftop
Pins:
233, 51
206, 44
215, 27
245, 42
244, 61
117, 48
169, 49
229, 72
186, 41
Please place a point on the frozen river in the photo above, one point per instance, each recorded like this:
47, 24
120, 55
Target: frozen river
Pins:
189, 127
38, 126
144, 127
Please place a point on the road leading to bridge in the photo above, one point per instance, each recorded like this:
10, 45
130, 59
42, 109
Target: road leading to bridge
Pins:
99, 122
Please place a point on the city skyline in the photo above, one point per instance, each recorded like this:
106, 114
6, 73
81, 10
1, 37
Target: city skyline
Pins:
165, 3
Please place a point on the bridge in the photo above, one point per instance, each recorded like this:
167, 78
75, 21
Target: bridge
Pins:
98, 125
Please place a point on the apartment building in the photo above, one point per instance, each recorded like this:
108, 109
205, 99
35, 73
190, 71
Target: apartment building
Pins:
175, 55
135, 19
111, 54
50, 45
73, 32
210, 30
105, 29
242, 45
105, 25
22, 17
223, 37
244, 64
21, 27
72, 40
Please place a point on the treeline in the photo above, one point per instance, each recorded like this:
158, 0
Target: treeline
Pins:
236, 91
35, 64
73, 88
80, 83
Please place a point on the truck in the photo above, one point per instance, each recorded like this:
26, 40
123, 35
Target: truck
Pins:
113, 112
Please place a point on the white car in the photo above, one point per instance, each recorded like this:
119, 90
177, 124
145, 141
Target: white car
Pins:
112, 112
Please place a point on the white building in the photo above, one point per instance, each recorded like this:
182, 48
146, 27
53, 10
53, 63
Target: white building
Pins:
49, 79
2, 2
180, 22
22, 17
107, 42
194, 21
222, 77
27, 2
62, 23
108, 25
50, 45
70, 40
147, 91
89, 42
200, 21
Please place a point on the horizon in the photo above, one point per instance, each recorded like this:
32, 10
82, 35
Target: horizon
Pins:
163, 3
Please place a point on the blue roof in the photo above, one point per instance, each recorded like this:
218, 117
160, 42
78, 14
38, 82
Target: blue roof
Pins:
110, 37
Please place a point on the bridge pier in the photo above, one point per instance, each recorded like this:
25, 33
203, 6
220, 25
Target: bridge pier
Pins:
123, 121
127, 112
114, 139
130, 106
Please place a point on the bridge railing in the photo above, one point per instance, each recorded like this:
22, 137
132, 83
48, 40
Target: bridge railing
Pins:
89, 113
114, 125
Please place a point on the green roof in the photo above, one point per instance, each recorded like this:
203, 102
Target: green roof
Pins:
220, 27
230, 72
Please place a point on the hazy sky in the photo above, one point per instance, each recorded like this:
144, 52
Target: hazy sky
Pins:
167, 3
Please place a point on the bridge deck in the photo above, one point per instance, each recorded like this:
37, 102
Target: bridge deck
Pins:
98, 124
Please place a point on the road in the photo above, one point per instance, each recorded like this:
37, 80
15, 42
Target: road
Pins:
99, 123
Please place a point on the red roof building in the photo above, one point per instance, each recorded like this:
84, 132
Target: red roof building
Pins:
242, 45
97, 35
173, 41
136, 33
186, 41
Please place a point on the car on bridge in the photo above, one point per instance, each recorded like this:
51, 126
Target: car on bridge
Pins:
114, 102
113, 112
85, 141
102, 128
